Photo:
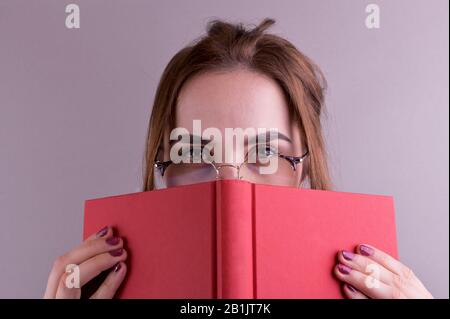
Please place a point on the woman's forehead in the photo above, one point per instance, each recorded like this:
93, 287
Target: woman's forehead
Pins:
233, 99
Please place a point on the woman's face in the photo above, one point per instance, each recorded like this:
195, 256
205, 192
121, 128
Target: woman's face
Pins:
239, 99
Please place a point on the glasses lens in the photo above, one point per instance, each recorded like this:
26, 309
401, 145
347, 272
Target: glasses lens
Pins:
188, 173
270, 169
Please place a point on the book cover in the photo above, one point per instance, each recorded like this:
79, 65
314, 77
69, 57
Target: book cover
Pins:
235, 239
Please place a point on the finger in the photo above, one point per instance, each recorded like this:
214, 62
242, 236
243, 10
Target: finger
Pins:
368, 285
408, 284
86, 271
67, 288
385, 260
112, 282
91, 248
352, 293
94, 266
404, 278
366, 266
103, 241
104, 232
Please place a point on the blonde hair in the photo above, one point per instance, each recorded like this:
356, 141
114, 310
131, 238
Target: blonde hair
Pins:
226, 46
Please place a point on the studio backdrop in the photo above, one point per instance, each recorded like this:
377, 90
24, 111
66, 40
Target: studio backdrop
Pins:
75, 98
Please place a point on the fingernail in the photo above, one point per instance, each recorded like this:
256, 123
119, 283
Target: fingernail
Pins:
343, 269
351, 288
116, 252
117, 267
348, 255
366, 250
113, 241
102, 232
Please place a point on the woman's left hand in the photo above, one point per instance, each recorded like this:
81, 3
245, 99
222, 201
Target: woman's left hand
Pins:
371, 273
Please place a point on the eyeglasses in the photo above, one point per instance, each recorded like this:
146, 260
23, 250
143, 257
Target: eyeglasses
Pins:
268, 167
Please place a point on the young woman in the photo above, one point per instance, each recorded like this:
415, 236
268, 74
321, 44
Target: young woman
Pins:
238, 78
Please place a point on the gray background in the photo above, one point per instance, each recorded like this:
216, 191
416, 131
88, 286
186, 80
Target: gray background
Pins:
74, 106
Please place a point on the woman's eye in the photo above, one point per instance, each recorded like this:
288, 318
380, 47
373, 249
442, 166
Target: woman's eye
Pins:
195, 151
208, 155
189, 152
267, 151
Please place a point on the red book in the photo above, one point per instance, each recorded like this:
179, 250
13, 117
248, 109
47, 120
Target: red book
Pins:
235, 239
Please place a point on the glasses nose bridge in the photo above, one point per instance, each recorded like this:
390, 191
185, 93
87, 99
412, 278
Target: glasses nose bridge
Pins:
228, 168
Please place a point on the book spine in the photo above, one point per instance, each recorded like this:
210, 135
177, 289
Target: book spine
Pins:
234, 240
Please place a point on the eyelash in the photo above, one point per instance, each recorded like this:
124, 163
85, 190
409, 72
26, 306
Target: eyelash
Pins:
257, 147
265, 148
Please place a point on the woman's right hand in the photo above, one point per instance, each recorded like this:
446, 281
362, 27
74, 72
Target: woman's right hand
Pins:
99, 252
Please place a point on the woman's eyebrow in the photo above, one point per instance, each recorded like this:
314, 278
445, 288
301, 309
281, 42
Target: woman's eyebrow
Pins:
191, 138
267, 137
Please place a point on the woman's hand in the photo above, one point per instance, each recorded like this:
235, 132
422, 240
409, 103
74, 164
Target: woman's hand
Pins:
99, 252
371, 273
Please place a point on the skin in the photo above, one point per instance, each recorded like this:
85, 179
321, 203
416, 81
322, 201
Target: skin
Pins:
237, 98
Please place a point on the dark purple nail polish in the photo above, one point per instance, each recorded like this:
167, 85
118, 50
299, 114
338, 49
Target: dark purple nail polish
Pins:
348, 255
366, 250
343, 269
117, 267
351, 288
116, 252
113, 241
102, 232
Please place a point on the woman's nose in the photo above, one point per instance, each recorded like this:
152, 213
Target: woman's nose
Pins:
228, 171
